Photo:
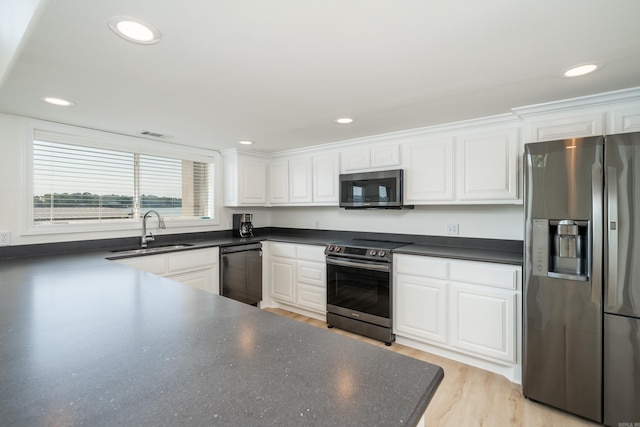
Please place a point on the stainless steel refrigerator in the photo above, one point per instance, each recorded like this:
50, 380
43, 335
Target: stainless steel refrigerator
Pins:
582, 276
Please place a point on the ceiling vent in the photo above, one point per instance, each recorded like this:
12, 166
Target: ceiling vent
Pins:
155, 134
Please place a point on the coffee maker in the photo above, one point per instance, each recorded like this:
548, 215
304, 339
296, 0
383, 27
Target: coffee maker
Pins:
242, 226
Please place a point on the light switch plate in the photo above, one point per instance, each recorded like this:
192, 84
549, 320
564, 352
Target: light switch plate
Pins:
5, 238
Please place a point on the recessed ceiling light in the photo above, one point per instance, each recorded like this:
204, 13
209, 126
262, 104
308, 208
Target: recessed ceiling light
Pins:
344, 120
134, 30
580, 70
57, 101
245, 142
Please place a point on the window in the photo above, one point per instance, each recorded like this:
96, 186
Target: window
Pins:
75, 183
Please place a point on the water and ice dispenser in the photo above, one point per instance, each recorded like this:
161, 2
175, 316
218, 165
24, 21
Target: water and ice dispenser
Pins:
560, 249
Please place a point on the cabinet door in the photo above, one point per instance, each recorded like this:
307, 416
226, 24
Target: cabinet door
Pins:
487, 166
421, 308
385, 156
252, 175
300, 175
283, 279
554, 126
483, 321
326, 174
624, 120
429, 171
279, 181
355, 159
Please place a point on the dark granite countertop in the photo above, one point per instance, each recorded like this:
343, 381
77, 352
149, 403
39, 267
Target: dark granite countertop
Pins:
472, 249
85, 341
478, 252
462, 253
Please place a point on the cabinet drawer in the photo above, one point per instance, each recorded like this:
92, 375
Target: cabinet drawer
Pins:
421, 266
286, 250
312, 298
312, 273
186, 260
311, 253
500, 276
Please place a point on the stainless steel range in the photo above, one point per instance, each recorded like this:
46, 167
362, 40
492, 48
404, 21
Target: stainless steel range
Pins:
359, 291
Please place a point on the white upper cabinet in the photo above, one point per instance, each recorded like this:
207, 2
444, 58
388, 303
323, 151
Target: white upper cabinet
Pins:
487, 166
326, 176
429, 170
357, 159
471, 168
304, 180
377, 156
383, 156
624, 120
300, 180
554, 126
279, 181
245, 178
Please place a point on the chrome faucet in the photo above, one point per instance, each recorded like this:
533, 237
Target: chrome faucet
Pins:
149, 237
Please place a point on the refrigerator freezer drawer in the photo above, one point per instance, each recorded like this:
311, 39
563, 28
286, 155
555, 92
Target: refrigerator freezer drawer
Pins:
621, 370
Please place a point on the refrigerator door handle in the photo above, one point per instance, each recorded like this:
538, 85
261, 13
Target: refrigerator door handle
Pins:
612, 237
595, 253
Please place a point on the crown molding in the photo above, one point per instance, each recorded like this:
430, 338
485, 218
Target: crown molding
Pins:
596, 100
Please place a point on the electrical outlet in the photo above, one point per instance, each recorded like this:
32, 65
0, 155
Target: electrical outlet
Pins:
452, 229
5, 238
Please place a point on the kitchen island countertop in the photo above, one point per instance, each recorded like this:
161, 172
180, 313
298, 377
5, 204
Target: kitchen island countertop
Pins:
85, 341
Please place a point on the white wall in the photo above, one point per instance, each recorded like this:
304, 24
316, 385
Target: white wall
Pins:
494, 222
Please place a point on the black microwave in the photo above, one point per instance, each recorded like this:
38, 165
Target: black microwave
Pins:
372, 190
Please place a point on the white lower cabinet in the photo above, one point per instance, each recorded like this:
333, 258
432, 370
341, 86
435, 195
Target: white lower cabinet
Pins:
465, 310
296, 278
483, 321
197, 268
311, 285
282, 278
421, 311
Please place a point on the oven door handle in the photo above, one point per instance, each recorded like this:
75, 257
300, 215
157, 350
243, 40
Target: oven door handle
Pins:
358, 264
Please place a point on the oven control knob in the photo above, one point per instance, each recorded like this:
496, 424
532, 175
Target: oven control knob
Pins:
372, 252
381, 253
329, 248
338, 248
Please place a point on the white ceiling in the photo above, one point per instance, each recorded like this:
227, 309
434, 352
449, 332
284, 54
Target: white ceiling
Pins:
280, 72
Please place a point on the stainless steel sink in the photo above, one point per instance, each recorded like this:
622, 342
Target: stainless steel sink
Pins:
149, 251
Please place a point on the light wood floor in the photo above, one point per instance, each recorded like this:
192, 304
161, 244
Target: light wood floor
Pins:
470, 396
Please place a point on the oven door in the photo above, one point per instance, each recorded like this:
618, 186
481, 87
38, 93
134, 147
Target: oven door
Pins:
359, 290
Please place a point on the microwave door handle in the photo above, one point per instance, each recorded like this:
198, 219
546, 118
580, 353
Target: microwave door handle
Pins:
612, 237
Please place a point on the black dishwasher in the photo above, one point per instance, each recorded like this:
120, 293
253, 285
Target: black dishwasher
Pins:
241, 272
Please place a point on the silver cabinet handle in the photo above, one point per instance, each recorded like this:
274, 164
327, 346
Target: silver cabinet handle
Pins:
612, 237
595, 253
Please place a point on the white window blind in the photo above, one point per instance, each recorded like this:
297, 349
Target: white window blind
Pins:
76, 183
